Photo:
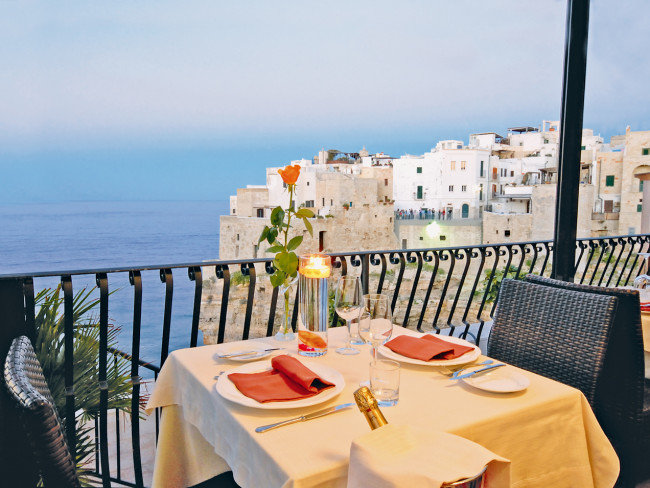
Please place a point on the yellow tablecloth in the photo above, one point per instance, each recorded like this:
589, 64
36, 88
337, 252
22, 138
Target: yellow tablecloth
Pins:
548, 432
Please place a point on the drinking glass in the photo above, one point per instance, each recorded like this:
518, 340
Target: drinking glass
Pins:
642, 282
376, 321
348, 306
384, 381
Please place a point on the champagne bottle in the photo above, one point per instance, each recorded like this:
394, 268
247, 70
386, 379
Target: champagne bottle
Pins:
367, 403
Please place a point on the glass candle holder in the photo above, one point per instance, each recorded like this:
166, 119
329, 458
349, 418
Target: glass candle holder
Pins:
313, 273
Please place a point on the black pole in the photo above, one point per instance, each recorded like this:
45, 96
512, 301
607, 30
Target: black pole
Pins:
573, 102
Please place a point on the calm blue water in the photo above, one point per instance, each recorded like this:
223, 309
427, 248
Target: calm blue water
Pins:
90, 235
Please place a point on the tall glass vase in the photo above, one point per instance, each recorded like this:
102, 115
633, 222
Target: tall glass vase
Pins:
285, 333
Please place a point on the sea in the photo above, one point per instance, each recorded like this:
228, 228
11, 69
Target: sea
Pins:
71, 236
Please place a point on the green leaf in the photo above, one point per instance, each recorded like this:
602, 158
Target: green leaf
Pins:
287, 262
276, 248
264, 233
277, 216
294, 243
304, 212
308, 227
277, 278
272, 235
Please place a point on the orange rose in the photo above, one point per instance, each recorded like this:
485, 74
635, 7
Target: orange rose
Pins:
290, 174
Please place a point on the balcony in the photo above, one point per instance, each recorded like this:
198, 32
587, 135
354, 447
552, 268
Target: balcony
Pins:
446, 290
605, 215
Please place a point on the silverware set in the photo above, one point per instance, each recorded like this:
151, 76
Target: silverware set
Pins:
246, 353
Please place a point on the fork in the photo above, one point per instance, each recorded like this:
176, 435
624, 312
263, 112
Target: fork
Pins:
456, 371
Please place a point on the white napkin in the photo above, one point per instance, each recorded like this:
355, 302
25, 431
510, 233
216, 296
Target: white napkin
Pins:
396, 456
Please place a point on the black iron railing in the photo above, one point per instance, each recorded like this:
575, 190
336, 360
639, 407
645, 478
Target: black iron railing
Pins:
447, 290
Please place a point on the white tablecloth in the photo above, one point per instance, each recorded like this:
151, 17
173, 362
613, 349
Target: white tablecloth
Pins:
548, 432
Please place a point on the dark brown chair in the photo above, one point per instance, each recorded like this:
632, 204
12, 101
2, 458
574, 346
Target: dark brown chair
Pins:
541, 329
27, 387
623, 400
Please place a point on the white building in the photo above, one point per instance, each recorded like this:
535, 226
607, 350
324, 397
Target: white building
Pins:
451, 177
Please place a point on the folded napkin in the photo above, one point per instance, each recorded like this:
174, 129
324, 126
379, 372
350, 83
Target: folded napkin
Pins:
426, 348
396, 456
288, 380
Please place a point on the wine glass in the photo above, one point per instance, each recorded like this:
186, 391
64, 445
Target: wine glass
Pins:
376, 321
642, 282
348, 306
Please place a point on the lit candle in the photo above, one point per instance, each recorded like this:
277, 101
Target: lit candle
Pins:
315, 266
314, 269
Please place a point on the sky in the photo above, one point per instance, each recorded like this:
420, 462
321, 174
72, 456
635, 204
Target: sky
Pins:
190, 100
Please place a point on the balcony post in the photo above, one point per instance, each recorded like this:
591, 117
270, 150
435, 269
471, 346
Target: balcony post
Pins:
573, 100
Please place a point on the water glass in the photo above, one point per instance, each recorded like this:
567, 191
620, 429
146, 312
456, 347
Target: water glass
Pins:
377, 321
384, 381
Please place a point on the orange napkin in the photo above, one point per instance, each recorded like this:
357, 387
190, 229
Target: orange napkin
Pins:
288, 380
426, 348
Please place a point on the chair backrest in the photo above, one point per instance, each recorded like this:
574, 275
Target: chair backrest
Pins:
543, 330
27, 387
622, 383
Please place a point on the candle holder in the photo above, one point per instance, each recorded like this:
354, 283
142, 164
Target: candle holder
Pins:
313, 272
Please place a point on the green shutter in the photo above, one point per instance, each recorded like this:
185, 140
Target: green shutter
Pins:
640, 185
419, 192
639, 207
645, 151
609, 180
582, 148
419, 169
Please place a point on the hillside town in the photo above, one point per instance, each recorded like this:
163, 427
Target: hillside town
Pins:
493, 189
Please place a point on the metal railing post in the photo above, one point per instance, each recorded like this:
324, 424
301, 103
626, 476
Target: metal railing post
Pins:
573, 101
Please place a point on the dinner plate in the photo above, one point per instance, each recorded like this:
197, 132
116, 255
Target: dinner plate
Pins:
260, 348
468, 357
499, 380
227, 389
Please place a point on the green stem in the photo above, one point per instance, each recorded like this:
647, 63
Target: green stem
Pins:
289, 210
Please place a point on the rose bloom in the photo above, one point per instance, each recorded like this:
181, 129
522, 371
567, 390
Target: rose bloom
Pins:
290, 174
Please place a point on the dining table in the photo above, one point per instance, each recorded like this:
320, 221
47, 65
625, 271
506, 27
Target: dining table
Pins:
548, 431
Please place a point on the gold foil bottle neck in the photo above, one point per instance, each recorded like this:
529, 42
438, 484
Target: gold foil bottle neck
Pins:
367, 403
365, 399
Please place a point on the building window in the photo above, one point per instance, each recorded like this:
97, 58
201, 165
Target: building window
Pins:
385, 181
309, 203
463, 165
419, 169
506, 233
237, 236
421, 238
451, 188
452, 165
609, 180
582, 148
419, 194
260, 212
512, 174
323, 202
645, 151
480, 193
463, 188
443, 238
640, 185
639, 207
481, 175
284, 185
307, 183
234, 211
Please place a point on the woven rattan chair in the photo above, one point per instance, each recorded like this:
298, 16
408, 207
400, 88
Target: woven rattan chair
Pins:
26, 384
623, 401
541, 329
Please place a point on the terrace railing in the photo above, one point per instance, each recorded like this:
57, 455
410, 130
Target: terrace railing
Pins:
449, 290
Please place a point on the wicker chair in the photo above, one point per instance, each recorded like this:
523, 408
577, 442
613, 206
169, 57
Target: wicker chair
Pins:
541, 329
623, 401
27, 387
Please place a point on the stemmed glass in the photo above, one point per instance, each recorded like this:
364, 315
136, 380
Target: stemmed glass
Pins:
376, 321
642, 282
348, 304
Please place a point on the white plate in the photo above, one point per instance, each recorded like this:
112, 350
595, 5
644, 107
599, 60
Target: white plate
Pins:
499, 380
261, 353
468, 357
227, 389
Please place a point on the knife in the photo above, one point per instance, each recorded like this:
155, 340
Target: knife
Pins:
472, 373
309, 416
246, 353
